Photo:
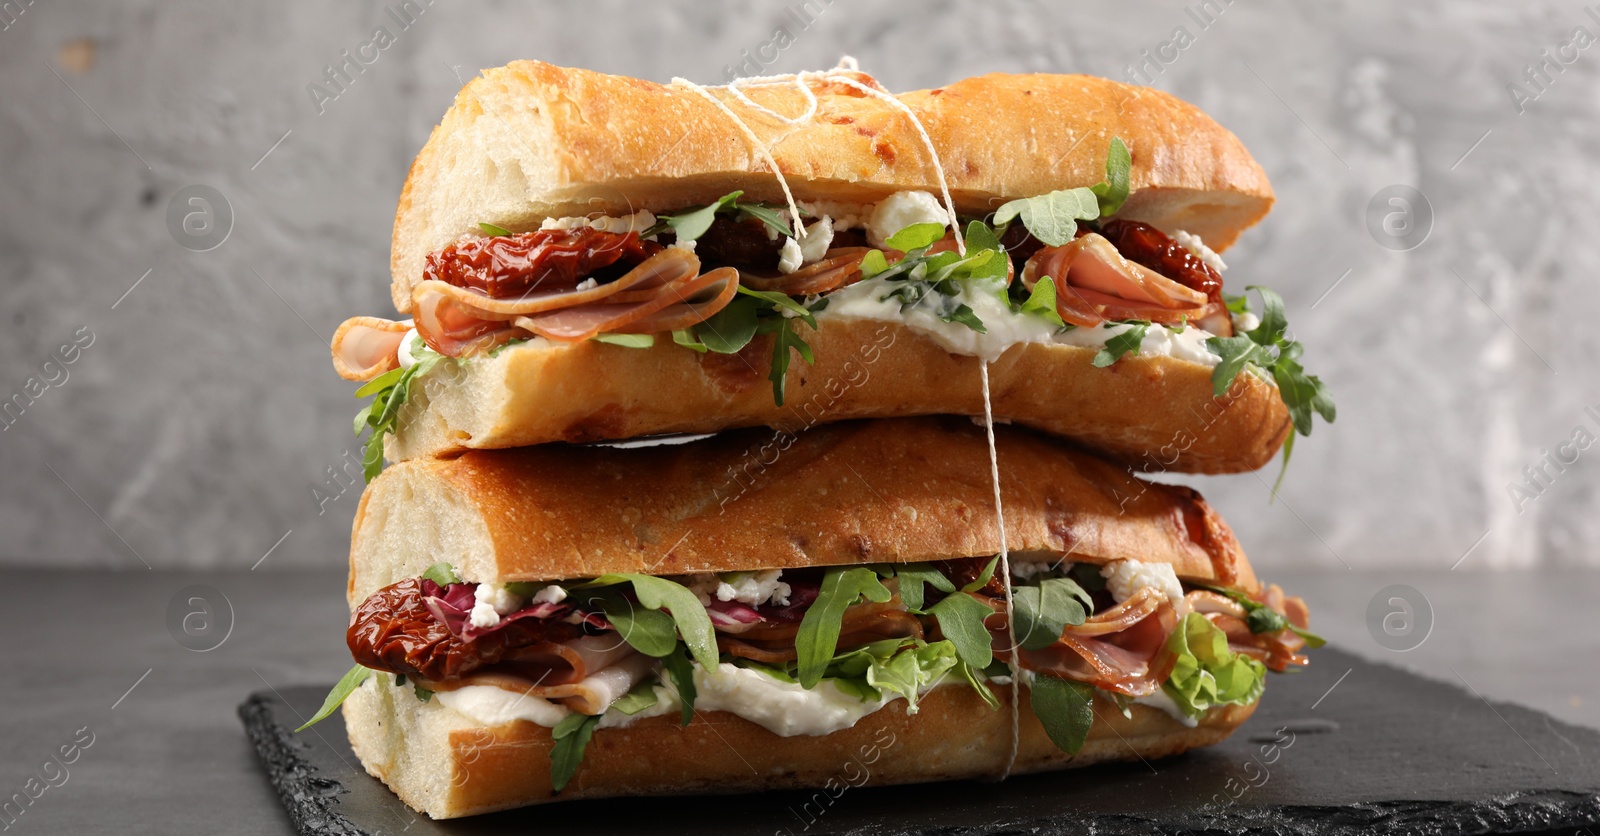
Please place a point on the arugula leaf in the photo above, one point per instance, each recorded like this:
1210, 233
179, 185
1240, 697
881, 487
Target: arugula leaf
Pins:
383, 381
685, 337
1206, 672
731, 329
626, 340
641, 697
873, 263
818, 636
781, 301
651, 632
1042, 302
677, 667
692, 225
773, 218
1235, 352
1052, 218
342, 690
1237, 304
1041, 613
961, 618
1065, 708
1127, 342
1113, 191
389, 392
913, 576
983, 578
1266, 618
1268, 348
971, 676
966, 316
422, 693
571, 736
688, 615
786, 339
915, 237
495, 231
980, 236
442, 574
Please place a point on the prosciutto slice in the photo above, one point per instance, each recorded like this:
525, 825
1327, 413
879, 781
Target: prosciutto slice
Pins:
367, 346
862, 624
838, 267
1103, 285
1122, 649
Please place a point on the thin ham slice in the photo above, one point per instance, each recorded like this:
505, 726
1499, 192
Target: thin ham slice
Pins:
589, 685
1095, 283
1132, 660
838, 267
367, 346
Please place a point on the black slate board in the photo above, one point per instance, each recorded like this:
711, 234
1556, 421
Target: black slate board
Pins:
1374, 749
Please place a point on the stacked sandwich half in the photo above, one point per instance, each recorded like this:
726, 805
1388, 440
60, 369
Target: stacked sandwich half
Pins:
934, 337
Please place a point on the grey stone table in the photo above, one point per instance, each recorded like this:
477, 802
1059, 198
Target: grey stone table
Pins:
101, 666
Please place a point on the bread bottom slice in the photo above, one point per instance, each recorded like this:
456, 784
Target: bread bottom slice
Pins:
443, 764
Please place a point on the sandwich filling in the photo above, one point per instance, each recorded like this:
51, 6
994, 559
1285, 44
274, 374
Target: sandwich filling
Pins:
812, 651
752, 279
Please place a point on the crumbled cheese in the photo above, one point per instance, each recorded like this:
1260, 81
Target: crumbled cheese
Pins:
819, 237
1193, 244
843, 215
637, 222
490, 601
1029, 569
1246, 321
789, 257
903, 209
753, 588
686, 246
1124, 578
588, 283
552, 594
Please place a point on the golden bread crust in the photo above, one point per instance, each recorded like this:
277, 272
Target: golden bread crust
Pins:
444, 765
532, 140
895, 491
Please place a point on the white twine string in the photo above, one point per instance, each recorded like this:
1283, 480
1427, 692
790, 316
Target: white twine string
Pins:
1014, 663
802, 81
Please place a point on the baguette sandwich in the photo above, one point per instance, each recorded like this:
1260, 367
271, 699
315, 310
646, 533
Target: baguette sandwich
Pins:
567, 622
589, 257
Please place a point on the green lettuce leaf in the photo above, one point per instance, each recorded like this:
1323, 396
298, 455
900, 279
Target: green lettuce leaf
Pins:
1207, 673
442, 574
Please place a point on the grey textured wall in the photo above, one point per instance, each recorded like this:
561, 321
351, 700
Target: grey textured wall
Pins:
202, 416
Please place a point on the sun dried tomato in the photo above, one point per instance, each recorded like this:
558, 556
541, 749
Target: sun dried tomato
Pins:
1147, 246
548, 259
394, 631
